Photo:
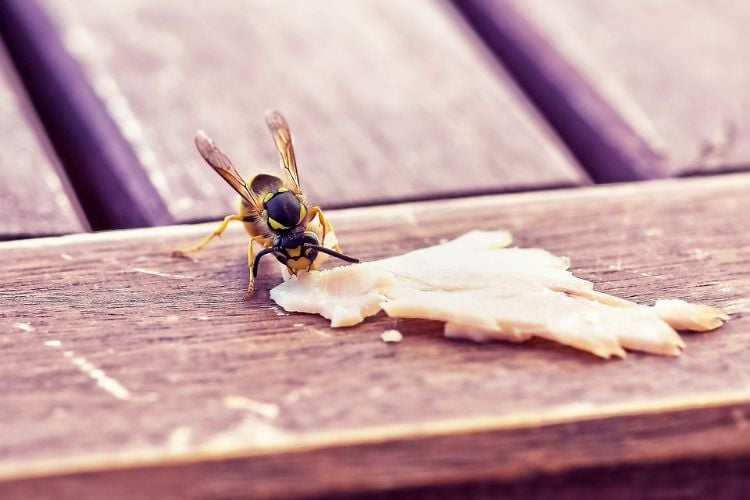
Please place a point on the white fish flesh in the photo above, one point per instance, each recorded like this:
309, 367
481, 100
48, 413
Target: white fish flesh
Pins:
484, 291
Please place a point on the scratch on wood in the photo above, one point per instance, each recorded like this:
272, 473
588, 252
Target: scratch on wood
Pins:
179, 439
296, 394
104, 381
24, 327
653, 231
66, 256
617, 266
321, 333
698, 253
52, 343
158, 273
250, 431
266, 410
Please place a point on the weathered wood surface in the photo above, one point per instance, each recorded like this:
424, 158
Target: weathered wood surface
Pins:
387, 100
640, 89
35, 200
686, 480
125, 370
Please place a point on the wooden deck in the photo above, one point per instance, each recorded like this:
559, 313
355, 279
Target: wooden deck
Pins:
394, 101
36, 199
638, 89
131, 373
159, 368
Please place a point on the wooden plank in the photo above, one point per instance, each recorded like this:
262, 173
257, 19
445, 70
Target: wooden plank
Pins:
687, 480
113, 189
639, 89
35, 199
387, 100
127, 372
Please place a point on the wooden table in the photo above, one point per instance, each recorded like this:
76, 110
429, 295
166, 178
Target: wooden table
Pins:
130, 373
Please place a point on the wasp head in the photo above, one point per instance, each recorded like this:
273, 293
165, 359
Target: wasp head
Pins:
283, 210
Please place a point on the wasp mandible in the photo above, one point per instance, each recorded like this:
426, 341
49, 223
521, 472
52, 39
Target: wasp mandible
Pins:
273, 209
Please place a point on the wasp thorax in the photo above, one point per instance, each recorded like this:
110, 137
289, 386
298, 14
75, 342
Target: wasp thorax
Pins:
283, 210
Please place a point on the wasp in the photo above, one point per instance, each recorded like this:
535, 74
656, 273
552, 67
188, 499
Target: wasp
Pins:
273, 209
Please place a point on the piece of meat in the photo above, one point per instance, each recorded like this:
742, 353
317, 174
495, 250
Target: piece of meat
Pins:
485, 291
682, 315
345, 295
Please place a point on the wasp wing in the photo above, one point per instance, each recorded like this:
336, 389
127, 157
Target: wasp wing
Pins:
283, 139
223, 166
265, 183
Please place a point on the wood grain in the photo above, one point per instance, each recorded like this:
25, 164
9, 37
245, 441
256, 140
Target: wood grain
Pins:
125, 370
658, 86
686, 480
387, 100
35, 199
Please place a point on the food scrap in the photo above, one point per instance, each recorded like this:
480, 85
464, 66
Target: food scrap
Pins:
484, 290
391, 336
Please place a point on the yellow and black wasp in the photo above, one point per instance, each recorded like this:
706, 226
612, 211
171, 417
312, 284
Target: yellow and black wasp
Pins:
273, 209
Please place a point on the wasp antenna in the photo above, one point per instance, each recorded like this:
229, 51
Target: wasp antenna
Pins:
333, 253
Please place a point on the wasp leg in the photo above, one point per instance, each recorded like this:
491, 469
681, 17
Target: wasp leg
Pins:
216, 232
325, 223
252, 264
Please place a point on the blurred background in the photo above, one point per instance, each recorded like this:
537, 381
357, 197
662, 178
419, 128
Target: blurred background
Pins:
388, 101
